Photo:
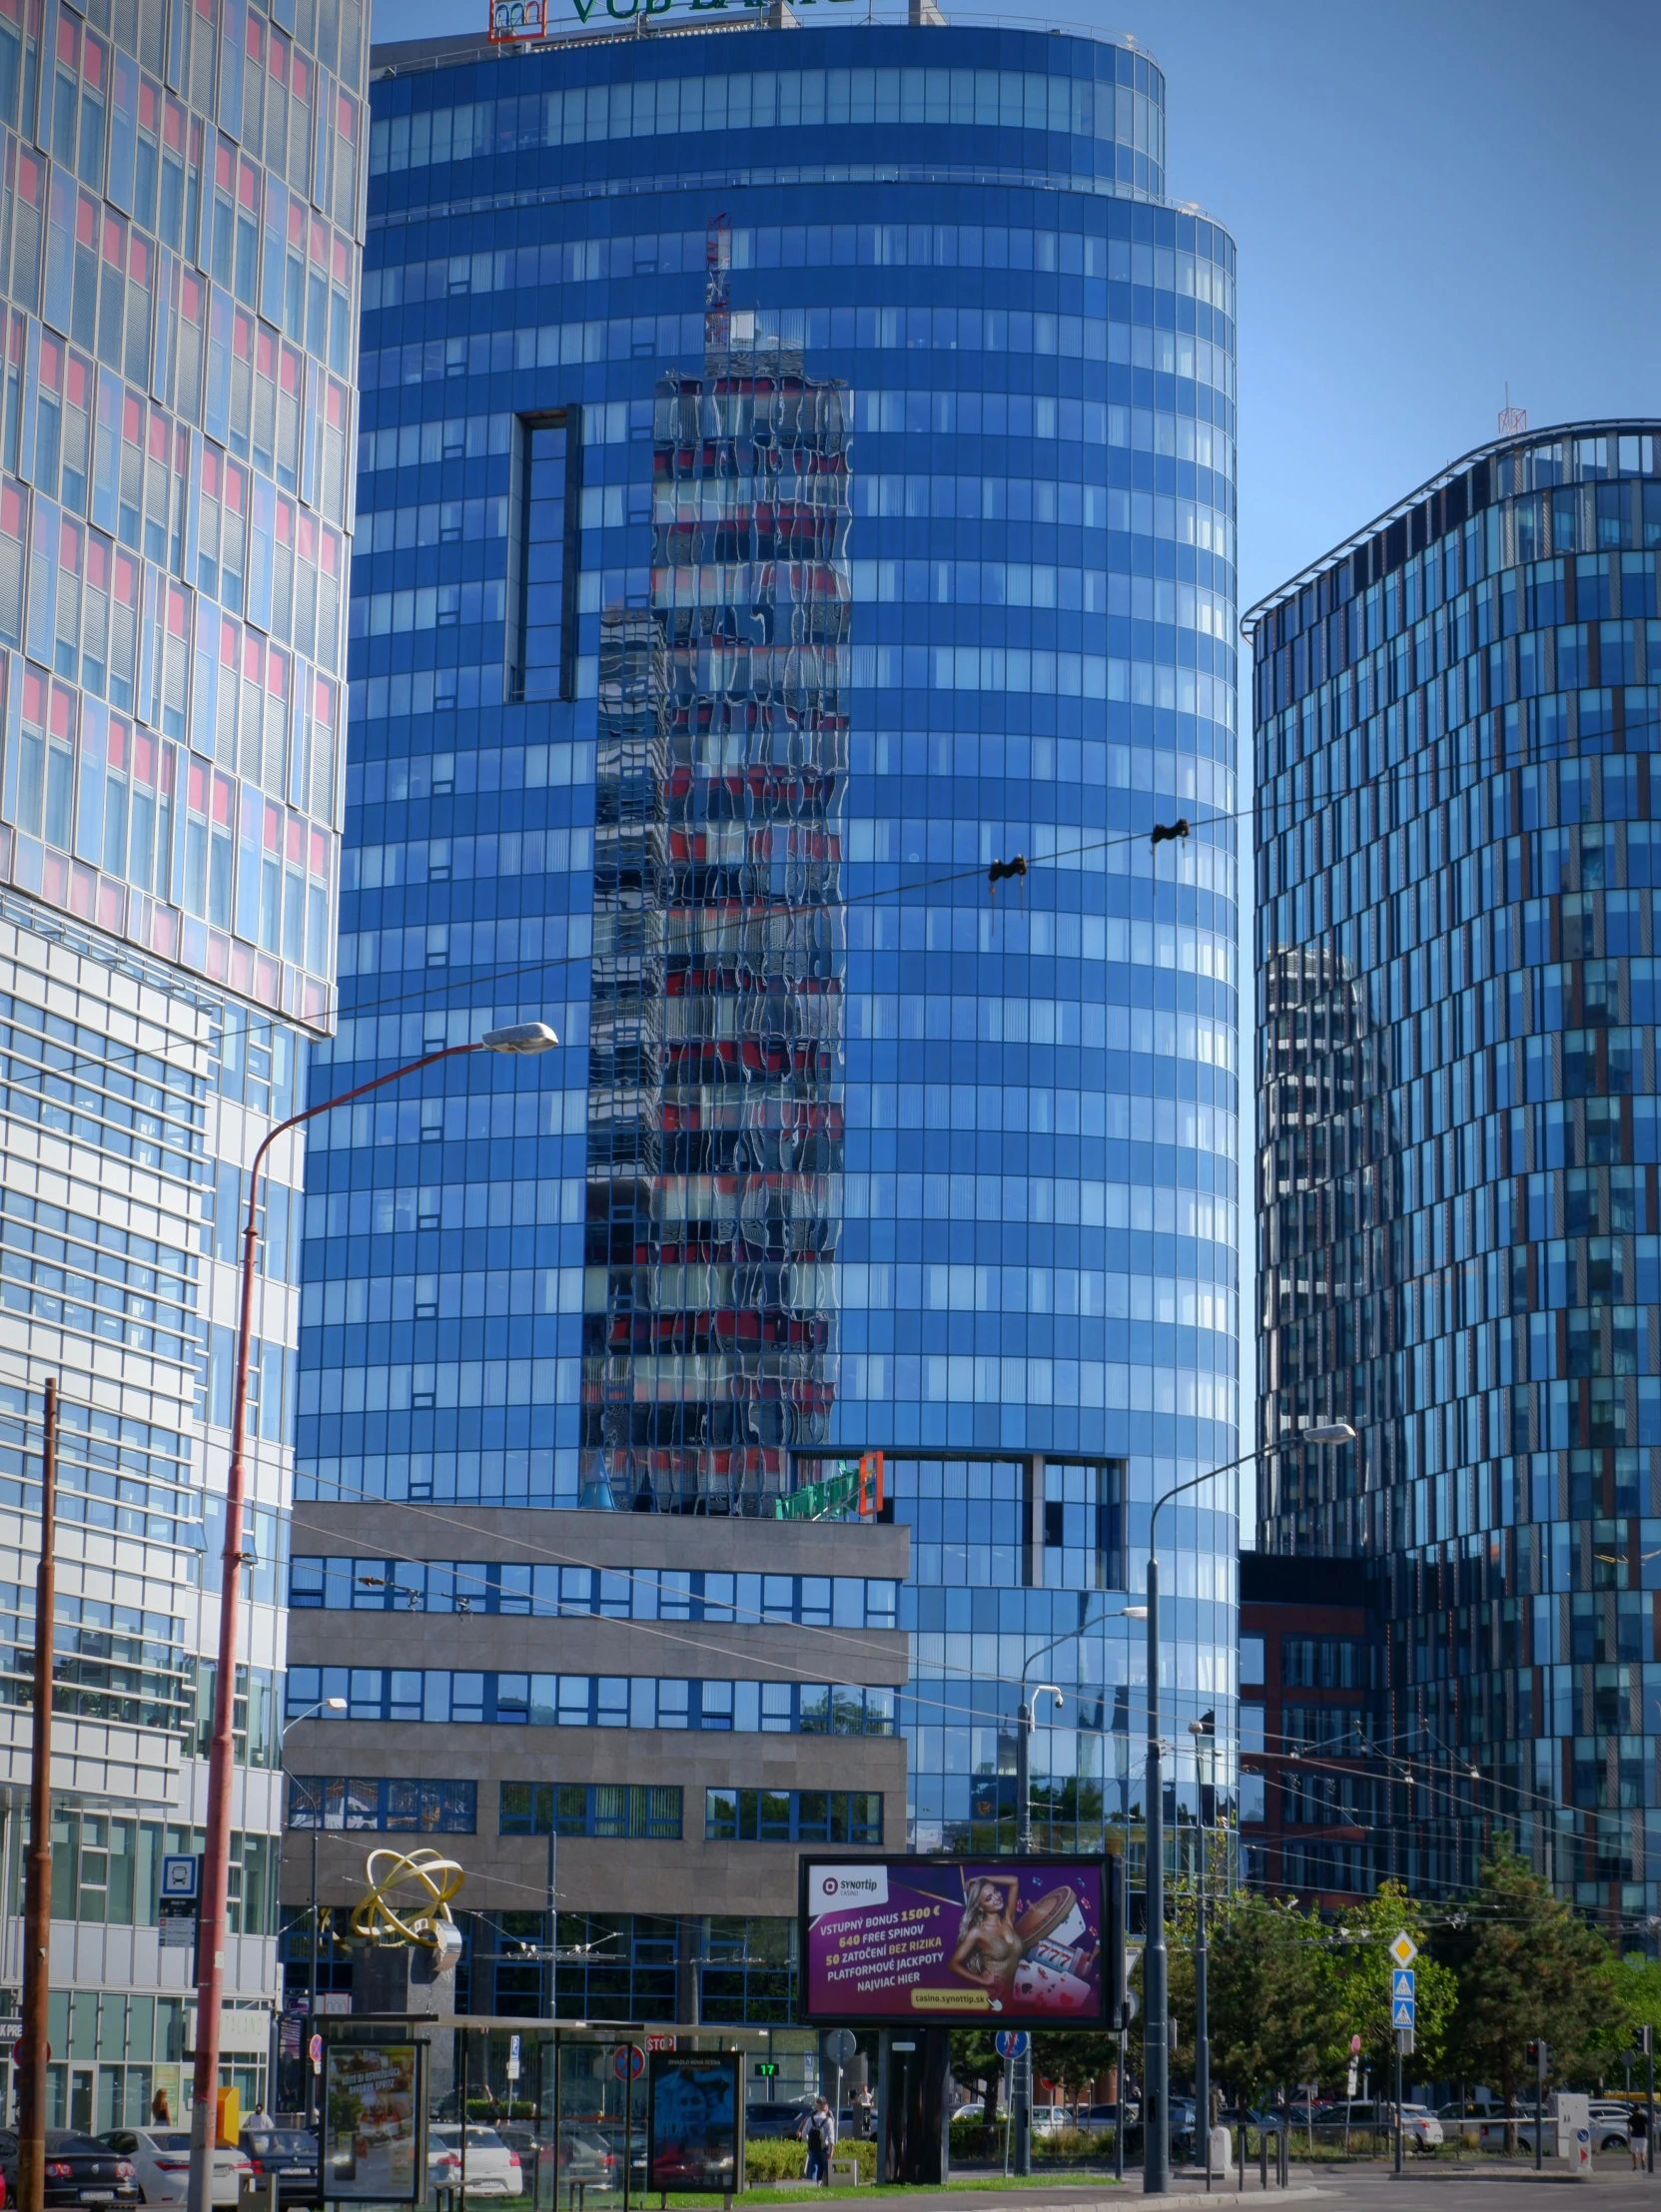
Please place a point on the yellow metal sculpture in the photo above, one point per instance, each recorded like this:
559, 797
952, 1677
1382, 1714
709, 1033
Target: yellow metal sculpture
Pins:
408, 1901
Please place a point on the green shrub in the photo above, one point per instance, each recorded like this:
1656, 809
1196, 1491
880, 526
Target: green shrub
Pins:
774, 2158
779, 2158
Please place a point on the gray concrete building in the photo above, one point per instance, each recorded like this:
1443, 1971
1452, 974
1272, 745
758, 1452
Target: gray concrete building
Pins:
573, 1673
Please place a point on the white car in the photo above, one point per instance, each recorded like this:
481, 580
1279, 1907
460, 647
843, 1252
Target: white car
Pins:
161, 2159
1421, 2127
1611, 2124
492, 2169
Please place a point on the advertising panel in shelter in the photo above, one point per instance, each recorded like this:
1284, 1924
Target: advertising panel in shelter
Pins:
372, 2122
695, 2141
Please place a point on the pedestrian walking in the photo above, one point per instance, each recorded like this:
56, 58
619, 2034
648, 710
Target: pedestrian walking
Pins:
1637, 2137
821, 2141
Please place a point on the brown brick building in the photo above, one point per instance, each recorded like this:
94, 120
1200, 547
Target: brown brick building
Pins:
1313, 1794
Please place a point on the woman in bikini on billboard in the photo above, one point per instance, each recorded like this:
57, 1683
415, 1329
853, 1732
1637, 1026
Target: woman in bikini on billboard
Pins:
1012, 1956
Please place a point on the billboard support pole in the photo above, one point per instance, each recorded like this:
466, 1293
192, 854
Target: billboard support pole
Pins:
884, 2114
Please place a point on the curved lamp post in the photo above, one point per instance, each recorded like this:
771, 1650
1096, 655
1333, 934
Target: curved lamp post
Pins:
1156, 2049
520, 1039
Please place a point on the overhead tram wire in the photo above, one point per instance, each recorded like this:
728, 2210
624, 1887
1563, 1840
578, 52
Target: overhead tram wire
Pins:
1463, 772
474, 979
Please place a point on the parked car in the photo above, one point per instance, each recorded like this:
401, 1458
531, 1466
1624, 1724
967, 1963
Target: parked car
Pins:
291, 2153
584, 2156
492, 2170
780, 2116
1611, 2124
1421, 2129
79, 2169
617, 2139
160, 2161
1611, 2128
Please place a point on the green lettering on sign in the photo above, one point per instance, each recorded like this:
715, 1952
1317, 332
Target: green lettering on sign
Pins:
815, 1500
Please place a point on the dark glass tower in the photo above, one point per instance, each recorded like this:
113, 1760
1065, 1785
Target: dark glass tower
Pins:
1456, 725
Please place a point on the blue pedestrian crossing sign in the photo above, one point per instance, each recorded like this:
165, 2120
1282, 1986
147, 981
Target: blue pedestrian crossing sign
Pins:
1011, 2043
1402, 2001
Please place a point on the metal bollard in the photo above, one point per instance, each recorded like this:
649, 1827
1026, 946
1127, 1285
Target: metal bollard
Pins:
1262, 2158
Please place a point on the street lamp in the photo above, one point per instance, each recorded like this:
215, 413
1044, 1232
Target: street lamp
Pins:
1023, 1725
1156, 2059
326, 1705
520, 1040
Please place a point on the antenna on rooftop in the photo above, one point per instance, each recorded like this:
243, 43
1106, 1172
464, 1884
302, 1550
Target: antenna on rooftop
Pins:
1511, 420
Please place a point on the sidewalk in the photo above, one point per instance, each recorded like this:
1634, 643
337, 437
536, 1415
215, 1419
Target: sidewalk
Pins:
1090, 2196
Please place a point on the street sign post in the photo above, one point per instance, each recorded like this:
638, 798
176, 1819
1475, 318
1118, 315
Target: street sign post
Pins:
1403, 2005
1011, 2043
512, 2059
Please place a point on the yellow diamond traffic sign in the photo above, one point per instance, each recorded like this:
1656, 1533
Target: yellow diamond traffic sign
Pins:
1403, 1950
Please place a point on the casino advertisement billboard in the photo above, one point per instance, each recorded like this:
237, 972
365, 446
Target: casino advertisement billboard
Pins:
1017, 1941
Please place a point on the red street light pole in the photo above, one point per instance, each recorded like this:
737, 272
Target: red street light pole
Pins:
525, 1038
37, 1907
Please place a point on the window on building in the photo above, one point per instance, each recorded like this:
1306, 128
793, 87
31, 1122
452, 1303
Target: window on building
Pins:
1322, 1663
1250, 1727
630, 1811
1251, 1658
388, 1804
792, 1815
541, 553
1252, 1798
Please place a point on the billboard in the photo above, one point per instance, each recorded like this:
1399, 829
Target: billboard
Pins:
372, 2111
695, 2141
1021, 1942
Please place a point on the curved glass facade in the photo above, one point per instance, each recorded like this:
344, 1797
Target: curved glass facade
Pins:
1456, 720
743, 571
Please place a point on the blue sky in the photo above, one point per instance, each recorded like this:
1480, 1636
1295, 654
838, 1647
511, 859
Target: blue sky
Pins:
1430, 199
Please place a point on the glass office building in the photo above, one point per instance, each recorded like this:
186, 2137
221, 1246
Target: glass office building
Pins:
796, 473
181, 203
1457, 719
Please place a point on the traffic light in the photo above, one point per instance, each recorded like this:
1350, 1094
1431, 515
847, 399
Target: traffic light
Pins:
1539, 2057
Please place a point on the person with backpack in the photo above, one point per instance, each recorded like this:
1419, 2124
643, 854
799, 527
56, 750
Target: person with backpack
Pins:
821, 2140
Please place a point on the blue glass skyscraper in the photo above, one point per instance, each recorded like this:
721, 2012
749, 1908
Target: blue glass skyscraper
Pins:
1457, 717
797, 473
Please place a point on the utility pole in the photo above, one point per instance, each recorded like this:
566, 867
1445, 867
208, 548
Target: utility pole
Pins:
1540, 2053
37, 1897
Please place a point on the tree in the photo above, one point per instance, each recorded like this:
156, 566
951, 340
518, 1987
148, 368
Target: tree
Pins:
1361, 1978
1073, 2058
1525, 1966
975, 2063
1270, 1994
